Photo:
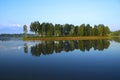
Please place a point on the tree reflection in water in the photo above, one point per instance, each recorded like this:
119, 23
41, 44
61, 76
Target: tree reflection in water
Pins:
49, 47
25, 48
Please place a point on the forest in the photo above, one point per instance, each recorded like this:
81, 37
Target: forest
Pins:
49, 29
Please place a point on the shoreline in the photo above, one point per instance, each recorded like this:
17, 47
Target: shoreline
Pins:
67, 38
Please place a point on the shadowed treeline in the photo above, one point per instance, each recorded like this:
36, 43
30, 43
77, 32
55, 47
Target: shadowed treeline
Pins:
49, 47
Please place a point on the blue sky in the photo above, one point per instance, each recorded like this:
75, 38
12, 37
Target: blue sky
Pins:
15, 13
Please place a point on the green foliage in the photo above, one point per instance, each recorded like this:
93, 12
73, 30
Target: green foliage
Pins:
48, 29
76, 31
81, 30
87, 30
116, 33
25, 30
95, 30
67, 29
71, 33
58, 30
35, 27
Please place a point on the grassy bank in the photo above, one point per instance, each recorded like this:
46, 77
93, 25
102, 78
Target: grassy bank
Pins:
66, 38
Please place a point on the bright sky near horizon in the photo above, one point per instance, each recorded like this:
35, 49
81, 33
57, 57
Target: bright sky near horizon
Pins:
15, 13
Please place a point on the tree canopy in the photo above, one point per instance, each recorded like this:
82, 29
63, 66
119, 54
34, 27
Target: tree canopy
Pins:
48, 29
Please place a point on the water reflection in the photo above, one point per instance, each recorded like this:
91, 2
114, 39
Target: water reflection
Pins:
116, 39
49, 47
25, 48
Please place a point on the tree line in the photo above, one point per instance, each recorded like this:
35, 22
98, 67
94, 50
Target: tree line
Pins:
116, 33
48, 29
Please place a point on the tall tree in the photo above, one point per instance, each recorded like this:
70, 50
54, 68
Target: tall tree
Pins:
76, 31
25, 30
58, 30
72, 30
50, 29
67, 29
87, 30
95, 30
44, 29
81, 30
101, 30
91, 31
35, 27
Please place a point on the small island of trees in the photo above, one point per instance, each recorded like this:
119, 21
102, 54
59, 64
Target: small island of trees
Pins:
58, 30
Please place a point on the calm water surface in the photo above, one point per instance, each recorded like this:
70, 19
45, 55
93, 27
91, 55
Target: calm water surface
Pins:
60, 60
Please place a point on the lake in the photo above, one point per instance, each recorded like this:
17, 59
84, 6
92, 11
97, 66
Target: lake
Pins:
60, 60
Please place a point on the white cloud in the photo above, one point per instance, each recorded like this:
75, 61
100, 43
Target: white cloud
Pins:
9, 25
15, 25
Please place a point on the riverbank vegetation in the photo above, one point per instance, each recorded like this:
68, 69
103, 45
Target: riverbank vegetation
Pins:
49, 31
66, 38
115, 33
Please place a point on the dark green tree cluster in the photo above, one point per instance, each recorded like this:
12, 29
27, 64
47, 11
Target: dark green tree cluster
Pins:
48, 29
50, 47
